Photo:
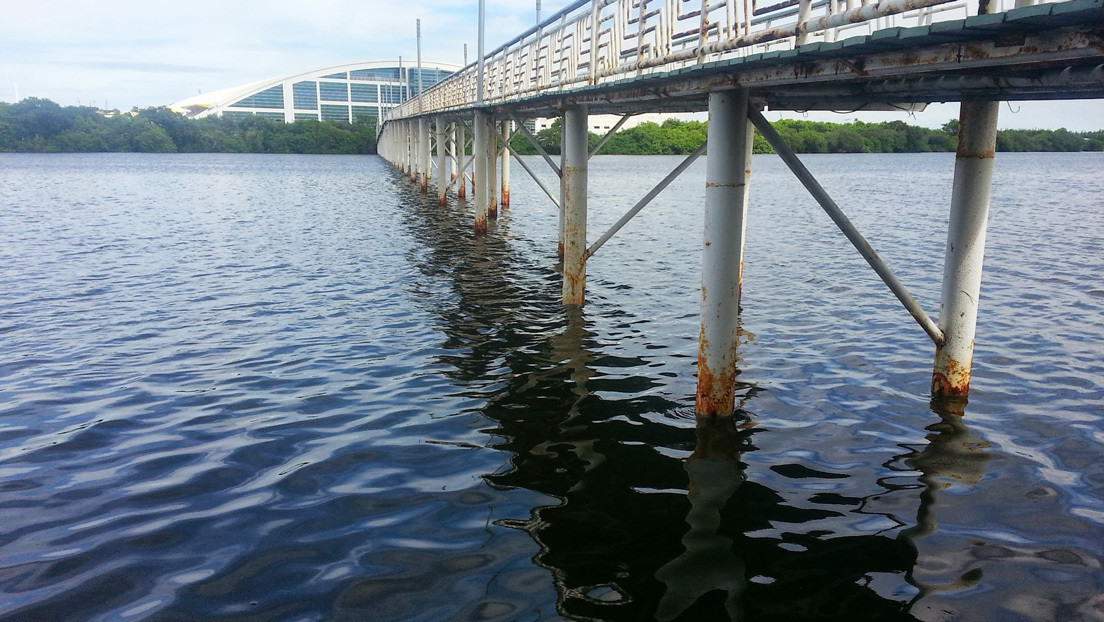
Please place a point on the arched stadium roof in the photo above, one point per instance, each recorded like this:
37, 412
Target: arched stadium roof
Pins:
349, 92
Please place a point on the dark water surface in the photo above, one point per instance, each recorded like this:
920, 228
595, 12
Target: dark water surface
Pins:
291, 388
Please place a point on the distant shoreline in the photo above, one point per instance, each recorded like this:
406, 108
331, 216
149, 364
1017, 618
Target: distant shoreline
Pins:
41, 126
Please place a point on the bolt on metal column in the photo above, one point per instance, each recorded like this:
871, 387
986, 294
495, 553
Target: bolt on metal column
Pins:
479, 165
575, 156
726, 198
973, 175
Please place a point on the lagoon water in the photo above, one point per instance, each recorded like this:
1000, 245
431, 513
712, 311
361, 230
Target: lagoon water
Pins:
244, 387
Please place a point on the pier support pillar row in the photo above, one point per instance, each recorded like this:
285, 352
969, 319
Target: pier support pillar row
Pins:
480, 160
575, 156
728, 167
958, 308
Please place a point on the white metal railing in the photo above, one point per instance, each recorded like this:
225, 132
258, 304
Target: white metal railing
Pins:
597, 41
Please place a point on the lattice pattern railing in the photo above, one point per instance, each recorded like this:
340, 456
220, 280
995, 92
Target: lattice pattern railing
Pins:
597, 41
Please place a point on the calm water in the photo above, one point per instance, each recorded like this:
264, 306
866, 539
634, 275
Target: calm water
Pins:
290, 388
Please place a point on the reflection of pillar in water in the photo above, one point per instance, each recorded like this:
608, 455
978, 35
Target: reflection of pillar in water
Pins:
953, 457
709, 563
568, 349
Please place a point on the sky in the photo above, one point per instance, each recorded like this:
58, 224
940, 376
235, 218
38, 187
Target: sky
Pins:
138, 53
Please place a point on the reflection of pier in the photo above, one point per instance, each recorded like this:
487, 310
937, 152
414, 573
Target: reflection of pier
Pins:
656, 520
733, 58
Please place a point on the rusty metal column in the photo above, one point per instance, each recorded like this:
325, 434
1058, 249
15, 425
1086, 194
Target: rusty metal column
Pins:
504, 197
461, 157
409, 155
425, 155
958, 308
726, 196
576, 154
492, 168
560, 241
480, 158
454, 156
442, 160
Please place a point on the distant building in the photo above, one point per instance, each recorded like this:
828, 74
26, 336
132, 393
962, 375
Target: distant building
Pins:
341, 93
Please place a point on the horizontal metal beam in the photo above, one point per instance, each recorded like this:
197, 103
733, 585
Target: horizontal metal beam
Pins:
836, 214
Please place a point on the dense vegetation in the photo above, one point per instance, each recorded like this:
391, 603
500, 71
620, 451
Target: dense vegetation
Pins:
43, 126
674, 137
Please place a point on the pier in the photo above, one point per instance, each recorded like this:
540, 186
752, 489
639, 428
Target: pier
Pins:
734, 59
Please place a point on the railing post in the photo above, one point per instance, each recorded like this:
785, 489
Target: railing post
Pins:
504, 197
480, 159
728, 168
973, 174
461, 153
576, 154
442, 160
424, 155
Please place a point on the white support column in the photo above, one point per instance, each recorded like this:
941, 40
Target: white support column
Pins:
408, 152
973, 175
560, 243
454, 152
575, 154
492, 169
462, 157
479, 165
442, 161
425, 155
728, 168
504, 197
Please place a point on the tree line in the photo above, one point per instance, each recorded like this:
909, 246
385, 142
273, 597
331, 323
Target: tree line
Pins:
674, 137
40, 125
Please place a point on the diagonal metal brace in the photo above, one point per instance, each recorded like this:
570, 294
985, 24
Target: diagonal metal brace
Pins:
536, 145
646, 200
609, 135
836, 214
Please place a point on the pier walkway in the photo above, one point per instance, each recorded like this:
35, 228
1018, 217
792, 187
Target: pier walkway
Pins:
735, 58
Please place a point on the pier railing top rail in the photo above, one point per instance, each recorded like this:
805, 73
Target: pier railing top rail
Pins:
594, 42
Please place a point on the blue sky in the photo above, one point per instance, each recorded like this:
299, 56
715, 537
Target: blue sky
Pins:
142, 53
